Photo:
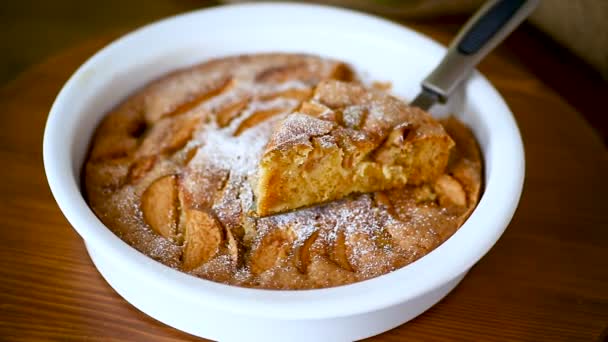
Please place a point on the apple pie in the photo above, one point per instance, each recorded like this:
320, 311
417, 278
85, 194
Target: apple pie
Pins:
279, 171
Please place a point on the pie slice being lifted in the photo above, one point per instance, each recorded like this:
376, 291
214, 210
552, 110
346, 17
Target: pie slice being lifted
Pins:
347, 139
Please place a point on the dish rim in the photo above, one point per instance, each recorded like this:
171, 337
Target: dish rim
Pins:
446, 262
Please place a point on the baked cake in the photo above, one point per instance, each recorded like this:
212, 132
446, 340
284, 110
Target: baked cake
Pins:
279, 171
347, 139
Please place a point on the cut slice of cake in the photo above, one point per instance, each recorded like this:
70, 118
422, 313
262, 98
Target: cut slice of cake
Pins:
347, 139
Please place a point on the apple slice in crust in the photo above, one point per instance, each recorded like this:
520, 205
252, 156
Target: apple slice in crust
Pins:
450, 192
302, 255
257, 117
273, 247
159, 205
300, 94
168, 135
339, 254
234, 247
202, 238
226, 113
140, 167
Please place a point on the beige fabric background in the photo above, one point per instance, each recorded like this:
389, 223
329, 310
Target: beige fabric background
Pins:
579, 25
33, 30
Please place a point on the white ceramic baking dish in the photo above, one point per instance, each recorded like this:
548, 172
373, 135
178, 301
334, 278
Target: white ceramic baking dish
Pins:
382, 51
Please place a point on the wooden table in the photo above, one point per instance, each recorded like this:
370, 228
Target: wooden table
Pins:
546, 279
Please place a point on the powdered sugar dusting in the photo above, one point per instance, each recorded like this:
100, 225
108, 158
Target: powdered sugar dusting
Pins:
299, 128
239, 155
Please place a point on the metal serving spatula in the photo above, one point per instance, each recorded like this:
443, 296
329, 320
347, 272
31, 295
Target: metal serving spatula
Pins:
486, 29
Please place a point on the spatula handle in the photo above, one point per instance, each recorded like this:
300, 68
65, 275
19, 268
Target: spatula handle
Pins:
486, 29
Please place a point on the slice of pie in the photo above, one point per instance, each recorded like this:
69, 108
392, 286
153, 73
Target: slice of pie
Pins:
347, 139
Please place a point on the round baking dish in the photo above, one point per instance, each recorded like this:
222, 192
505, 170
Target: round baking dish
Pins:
381, 50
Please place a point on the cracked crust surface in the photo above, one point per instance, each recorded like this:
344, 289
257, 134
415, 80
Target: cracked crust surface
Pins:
172, 171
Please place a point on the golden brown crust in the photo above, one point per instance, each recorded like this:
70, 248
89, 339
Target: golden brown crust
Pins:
171, 171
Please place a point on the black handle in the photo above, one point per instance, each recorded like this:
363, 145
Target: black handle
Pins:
488, 25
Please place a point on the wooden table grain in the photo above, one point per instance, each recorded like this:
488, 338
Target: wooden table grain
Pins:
545, 279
